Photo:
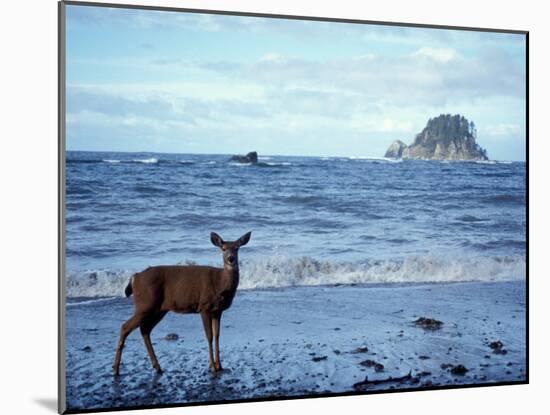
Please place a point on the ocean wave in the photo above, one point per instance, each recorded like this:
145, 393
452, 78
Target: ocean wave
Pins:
239, 164
97, 283
118, 161
151, 160
274, 164
485, 162
376, 159
74, 303
470, 218
498, 244
82, 161
500, 199
262, 164
282, 271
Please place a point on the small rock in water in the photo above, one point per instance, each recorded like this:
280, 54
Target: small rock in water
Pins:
423, 357
361, 349
378, 367
459, 370
428, 323
368, 363
319, 358
171, 336
87, 349
498, 347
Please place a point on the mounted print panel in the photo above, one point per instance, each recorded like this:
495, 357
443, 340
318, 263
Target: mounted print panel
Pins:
261, 207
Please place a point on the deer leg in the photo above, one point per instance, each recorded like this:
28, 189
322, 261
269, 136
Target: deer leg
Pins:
146, 327
216, 317
207, 323
129, 326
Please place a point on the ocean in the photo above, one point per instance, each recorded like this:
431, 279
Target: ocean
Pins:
315, 221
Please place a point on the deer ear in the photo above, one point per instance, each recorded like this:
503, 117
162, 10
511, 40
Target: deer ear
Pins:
243, 240
216, 239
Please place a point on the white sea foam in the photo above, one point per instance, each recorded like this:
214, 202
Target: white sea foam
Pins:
111, 161
89, 302
282, 271
485, 161
146, 161
240, 164
375, 159
283, 163
97, 283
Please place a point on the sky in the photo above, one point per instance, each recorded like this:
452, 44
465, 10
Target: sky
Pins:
172, 82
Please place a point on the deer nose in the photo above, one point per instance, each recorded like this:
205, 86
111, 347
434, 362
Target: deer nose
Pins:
231, 258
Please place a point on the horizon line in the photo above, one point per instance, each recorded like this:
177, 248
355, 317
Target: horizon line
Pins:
271, 155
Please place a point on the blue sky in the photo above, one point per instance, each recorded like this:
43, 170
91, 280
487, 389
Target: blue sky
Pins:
141, 80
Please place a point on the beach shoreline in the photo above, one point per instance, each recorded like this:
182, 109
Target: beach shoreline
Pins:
304, 341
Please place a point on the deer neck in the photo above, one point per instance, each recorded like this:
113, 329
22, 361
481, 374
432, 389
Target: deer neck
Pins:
230, 276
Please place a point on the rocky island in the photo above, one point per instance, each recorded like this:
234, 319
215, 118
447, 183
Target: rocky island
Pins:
446, 137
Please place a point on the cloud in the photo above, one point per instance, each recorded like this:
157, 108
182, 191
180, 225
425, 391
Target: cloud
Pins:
86, 100
443, 55
428, 77
502, 130
187, 21
88, 104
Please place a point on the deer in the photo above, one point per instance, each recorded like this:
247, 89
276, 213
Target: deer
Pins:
205, 290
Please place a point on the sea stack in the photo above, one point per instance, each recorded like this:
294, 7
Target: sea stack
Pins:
446, 137
396, 150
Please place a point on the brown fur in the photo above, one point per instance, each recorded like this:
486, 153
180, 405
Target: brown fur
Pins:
183, 289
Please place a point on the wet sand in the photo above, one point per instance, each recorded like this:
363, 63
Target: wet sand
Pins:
304, 341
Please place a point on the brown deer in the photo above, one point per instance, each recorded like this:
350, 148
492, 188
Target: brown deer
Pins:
183, 289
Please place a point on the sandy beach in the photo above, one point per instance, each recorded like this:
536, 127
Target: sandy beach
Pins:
303, 341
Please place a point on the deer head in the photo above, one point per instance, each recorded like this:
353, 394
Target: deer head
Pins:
230, 250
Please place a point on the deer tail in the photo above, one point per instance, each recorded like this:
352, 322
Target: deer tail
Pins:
128, 290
